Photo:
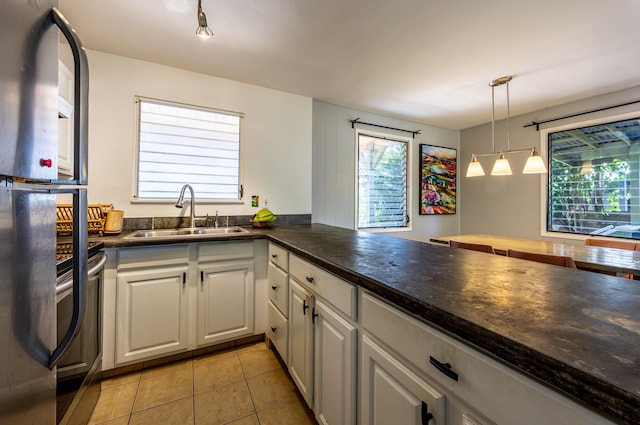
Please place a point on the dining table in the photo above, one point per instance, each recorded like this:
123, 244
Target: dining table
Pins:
612, 261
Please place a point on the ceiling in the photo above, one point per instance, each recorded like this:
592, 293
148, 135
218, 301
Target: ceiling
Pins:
428, 61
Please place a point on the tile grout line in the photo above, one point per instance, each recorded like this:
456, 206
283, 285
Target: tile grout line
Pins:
133, 402
246, 381
193, 390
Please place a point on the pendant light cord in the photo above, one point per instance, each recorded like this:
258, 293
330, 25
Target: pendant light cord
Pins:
493, 120
508, 114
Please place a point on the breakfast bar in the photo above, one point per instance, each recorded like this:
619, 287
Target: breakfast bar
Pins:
575, 332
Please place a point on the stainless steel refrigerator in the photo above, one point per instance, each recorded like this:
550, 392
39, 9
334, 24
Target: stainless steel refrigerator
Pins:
29, 32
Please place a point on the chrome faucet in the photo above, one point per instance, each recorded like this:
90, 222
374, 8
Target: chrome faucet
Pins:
180, 203
215, 224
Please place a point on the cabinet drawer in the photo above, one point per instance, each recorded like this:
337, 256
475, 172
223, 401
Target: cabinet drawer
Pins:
493, 389
278, 332
162, 255
218, 251
278, 288
279, 256
333, 289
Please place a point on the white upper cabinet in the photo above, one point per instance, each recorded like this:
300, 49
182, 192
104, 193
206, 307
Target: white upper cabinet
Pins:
65, 120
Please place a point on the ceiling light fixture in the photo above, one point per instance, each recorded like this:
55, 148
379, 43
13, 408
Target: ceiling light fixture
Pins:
203, 30
534, 164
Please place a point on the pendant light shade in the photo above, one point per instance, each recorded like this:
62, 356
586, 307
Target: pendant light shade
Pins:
203, 30
475, 168
534, 164
501, 167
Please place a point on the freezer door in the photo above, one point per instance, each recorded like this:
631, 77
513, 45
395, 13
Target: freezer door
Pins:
27, 307
28, 89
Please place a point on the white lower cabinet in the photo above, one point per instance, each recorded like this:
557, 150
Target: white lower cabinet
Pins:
278, 331
174, 298
323, 342
393, 394
225, 301
482, 390
335, 367
278, 305
301, 339
152, 313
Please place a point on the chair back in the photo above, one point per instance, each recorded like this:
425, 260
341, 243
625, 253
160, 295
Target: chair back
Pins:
557, 260
632, 246
472, 246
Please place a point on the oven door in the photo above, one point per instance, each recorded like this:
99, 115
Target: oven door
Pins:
78, 386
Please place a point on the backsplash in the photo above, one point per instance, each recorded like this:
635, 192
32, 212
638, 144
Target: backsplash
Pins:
138, 223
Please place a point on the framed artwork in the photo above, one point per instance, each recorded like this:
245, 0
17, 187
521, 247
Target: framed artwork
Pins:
438, 170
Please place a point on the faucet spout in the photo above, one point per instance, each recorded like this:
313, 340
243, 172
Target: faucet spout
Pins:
180, 203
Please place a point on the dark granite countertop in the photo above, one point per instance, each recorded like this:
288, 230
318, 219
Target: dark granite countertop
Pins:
576, 331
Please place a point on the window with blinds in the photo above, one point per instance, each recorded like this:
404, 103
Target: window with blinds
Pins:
180, 144
382, 182
594, 180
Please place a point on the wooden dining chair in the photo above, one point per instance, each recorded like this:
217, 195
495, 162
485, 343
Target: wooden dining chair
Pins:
557, 260
472, 246
631, 246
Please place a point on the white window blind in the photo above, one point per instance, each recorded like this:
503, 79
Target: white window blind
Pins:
179, 144
382, 182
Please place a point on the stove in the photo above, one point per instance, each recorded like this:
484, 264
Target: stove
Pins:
64, 253
78, 372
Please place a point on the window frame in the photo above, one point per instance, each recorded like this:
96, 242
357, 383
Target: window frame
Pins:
135, 199
409, 179
545, 179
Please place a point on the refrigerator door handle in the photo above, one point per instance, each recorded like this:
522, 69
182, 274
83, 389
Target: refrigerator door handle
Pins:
80, 97
80, 275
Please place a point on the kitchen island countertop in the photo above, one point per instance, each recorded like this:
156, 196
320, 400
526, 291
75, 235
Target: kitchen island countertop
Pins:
575, 331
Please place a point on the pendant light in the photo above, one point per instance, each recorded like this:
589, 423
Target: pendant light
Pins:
534, 164
475, 168
501, 166
203, 30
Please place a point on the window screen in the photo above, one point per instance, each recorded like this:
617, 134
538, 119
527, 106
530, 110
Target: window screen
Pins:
594, 180
179, 144
382, 182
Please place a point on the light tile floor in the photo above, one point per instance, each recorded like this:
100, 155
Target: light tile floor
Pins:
240, 386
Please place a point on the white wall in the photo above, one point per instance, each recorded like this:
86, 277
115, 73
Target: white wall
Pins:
512, 205
277, 129
334, 168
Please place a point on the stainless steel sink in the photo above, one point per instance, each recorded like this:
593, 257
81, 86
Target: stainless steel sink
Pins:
186, 233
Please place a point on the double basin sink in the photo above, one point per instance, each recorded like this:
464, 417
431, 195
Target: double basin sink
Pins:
186, 233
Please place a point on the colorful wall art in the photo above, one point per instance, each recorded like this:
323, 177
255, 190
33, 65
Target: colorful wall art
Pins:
438, 171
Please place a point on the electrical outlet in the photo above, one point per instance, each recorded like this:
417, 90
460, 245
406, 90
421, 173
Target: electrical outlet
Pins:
266, 202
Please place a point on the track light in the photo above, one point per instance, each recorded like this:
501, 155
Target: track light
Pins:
203, 30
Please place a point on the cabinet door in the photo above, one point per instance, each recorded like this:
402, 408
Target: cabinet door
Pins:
393, 394
335, 368
151, 313
301, 339
225, 301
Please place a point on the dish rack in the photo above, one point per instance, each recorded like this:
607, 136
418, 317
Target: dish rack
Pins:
97, 215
